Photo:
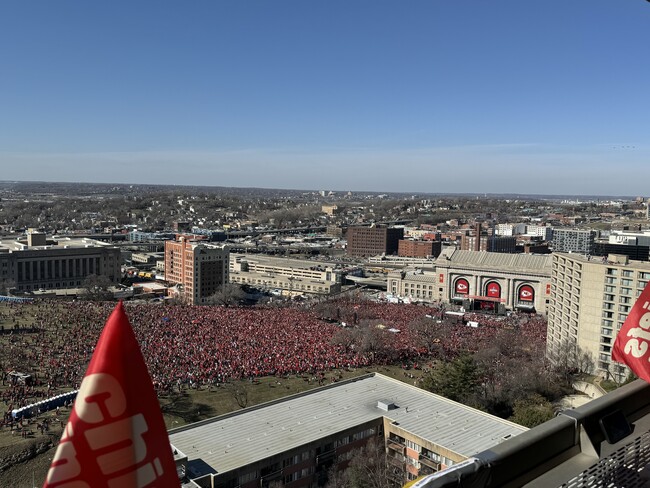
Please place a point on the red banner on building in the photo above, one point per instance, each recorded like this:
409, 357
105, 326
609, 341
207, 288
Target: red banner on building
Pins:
462, 286
526, 293
632, 345
116, 436
494, 290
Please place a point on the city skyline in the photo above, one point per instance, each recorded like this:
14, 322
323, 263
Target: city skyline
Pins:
424, 97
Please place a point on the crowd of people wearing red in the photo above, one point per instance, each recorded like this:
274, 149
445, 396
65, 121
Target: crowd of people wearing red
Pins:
193, 347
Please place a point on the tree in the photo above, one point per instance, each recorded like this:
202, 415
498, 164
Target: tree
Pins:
458, 380
532, 410
97, 288
367, 468
227, 295
239, 392
6, 286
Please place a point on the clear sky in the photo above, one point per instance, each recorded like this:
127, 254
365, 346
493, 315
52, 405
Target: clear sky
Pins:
502, 96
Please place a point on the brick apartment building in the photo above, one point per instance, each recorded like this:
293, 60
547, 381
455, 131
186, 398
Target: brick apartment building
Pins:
371, 241
201, 268
419, 249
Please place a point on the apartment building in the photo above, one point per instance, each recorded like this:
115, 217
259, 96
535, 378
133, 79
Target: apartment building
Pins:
371, 241
419, 249
199, 267
295, 441
49, 263
574, 240
591, 300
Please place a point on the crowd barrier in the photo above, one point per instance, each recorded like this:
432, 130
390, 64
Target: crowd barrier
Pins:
44, 405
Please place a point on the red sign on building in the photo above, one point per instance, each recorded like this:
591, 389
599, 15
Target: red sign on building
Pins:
462, 286
441, 278
494, 290
548, 288
526, 293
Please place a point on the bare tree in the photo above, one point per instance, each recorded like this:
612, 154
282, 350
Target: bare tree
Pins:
239, 392
97, 287
227, 295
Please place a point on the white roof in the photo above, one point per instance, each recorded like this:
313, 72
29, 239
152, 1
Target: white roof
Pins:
234, 440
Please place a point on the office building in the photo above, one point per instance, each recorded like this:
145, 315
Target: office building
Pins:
371, 241
296, 440
199, 267
419, 249
591, 300
289, 276
574, 240
39, 262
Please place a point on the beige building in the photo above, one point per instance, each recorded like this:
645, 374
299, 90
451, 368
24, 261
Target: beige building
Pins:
479, 280
295, 441
331, 209
290, 276
591, 300
199, 267
42, 263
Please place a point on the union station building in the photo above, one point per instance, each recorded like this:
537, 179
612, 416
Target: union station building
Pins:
479, 280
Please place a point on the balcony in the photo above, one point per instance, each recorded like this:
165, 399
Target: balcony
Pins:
584, 447
427, 461
396, 445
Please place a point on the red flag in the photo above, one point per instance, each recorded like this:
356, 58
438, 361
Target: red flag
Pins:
632, 346
116, 436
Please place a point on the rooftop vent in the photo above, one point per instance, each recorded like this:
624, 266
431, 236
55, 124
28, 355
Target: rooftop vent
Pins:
386, 405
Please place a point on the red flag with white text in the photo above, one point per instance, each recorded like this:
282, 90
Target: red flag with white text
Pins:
632, 345
116, 436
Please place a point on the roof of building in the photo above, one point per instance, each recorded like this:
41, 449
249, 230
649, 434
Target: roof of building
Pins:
230, 441
607, 260
264, 260
55, 242
502, 261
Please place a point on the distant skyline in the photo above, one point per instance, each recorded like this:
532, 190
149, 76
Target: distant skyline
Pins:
433, 96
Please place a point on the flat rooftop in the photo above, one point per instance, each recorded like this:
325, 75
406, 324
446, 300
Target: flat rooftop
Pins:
230, 441
14, 245
279, 262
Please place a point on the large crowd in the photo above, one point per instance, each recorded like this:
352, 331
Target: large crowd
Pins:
194, 347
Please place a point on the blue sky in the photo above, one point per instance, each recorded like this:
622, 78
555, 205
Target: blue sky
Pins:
433, 96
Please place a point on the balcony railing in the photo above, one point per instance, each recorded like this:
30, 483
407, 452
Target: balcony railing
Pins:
573, 450
427, 461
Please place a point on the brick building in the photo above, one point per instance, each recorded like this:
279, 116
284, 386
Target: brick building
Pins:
200, 268
419, 249
370, 241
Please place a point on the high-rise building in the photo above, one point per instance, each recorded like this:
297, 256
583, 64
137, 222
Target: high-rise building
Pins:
200, 268
370, 241
590, 301
574, 240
